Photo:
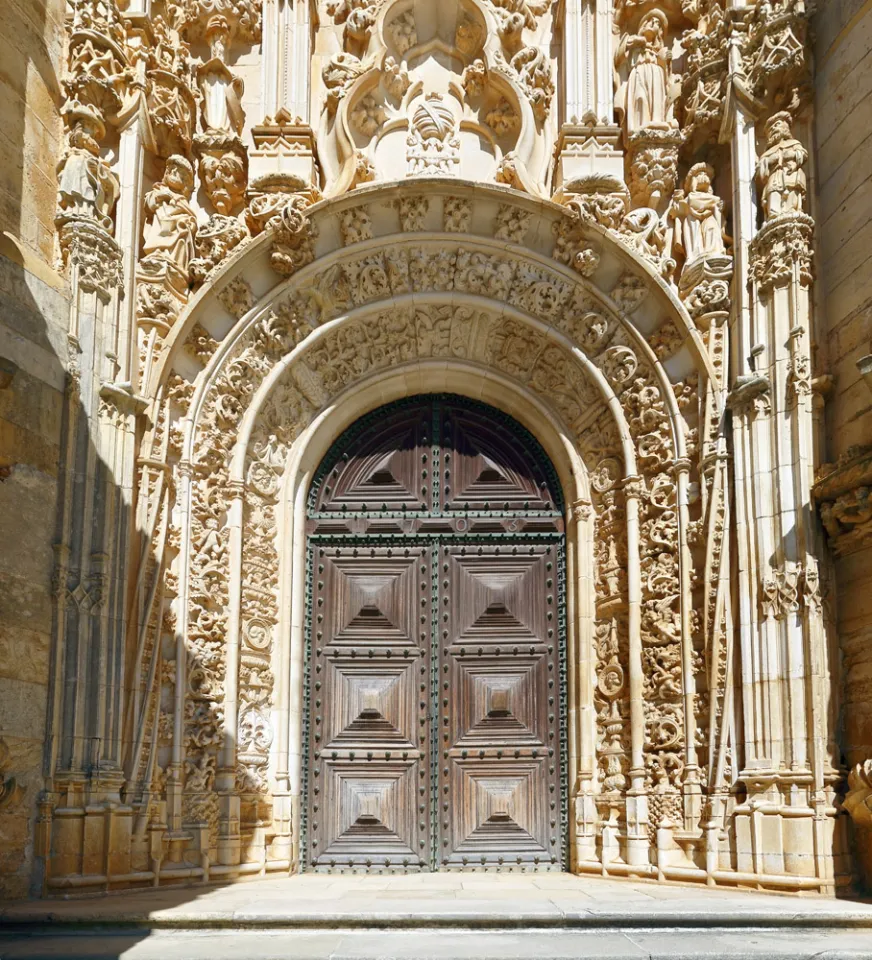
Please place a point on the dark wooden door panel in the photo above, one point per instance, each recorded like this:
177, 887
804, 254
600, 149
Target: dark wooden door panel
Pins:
369, 711
499, 782
434, 725
485, 465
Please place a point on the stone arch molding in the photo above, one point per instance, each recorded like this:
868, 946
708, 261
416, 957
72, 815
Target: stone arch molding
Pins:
390, 291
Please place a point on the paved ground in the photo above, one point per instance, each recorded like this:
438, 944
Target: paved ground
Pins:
440, 917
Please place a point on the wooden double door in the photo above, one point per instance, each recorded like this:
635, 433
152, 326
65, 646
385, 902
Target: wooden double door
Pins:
435, 688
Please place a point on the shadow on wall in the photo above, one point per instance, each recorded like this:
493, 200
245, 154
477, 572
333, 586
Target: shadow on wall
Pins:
33, 324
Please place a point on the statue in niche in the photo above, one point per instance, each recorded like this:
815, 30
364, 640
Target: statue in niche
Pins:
646, 97
780, 177
86, 185
698, 213
221, 92
169, 233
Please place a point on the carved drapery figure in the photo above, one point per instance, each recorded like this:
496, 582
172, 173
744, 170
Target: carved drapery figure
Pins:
169, 234
86, 185
698, 215
221, 103
780, 176
645, 97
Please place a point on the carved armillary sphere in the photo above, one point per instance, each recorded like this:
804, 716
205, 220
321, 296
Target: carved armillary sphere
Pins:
432, 119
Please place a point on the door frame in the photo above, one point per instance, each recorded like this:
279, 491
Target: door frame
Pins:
434, 541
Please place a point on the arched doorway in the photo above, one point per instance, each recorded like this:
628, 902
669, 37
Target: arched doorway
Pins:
435, 680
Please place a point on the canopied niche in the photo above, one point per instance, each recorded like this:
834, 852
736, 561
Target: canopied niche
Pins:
461, 89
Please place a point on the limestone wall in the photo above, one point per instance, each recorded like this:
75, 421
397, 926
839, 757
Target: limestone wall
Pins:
33, 326
844, 169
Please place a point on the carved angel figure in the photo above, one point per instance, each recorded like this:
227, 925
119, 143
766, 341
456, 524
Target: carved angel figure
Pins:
645, 97
698, 214
170, 231
780, 176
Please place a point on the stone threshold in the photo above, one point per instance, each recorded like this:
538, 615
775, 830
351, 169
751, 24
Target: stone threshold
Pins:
441, 902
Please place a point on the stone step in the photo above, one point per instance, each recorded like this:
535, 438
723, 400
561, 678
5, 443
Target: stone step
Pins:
605, 943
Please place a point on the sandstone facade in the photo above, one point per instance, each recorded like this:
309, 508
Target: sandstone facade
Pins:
234, 227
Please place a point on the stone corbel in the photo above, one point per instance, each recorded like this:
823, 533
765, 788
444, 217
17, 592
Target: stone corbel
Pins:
587, 150
704, 288
783, 244
285, 145
122, 397
858, 803
748, 389
843, 493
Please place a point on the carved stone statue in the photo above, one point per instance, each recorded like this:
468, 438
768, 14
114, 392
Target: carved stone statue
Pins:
780, 177
646, 97
699, 216
221, 92
170, 231
86, 185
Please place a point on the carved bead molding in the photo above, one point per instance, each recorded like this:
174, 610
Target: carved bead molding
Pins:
843, 493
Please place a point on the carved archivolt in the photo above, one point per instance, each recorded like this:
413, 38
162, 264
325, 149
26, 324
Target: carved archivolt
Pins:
362, 304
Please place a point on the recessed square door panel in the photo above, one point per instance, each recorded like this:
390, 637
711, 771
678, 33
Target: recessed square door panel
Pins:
498, 595
369, 704
499, 700
501, 814
367, 600
368, 816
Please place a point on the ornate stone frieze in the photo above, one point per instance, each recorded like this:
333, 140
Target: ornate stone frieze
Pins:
704, 81
213, 242
776, 58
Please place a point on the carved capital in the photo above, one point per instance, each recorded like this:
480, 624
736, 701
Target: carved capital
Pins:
653, 157
94, 254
